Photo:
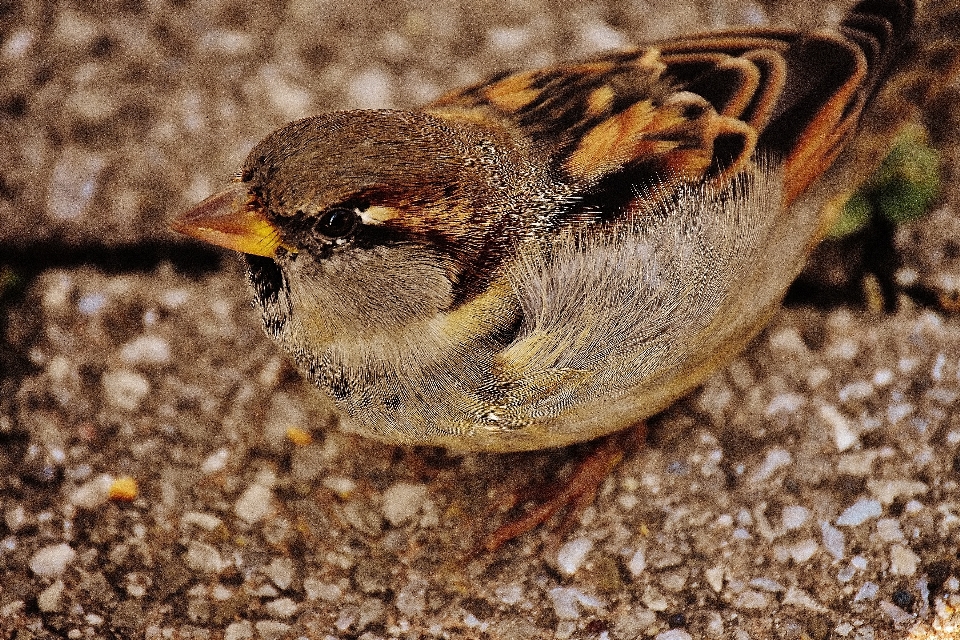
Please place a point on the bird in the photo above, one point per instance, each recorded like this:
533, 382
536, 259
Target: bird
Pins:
551, 256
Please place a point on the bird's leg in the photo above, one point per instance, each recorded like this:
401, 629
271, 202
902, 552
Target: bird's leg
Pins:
576, 493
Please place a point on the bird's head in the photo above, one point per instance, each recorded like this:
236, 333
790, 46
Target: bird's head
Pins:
364, 226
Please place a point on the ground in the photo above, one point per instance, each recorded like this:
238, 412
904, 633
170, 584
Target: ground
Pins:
166, 473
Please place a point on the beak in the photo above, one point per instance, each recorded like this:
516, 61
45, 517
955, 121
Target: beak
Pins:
231, 219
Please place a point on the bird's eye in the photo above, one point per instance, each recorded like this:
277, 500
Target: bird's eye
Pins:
337, 222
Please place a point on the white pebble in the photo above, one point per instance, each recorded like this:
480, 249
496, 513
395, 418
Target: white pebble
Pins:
817, 376
572, 554
799, 598
775, 459
93, 493
271, 629
898, 411
788, 339
638, 562
788, 403
282, 608
794, 517
802, 550
859, 512
903, 561
767, 584
340, 485
318, 590
124, 389
238, 631
254, 504
868, 591
146, 350
833, 540
751, 599
855, 391
215, 462
49, 598
204, 558
882, 377
15, 517
886, 491
674, 634
402, 501
898, 615
597, 35
52, 560
714, 576
844, 435
371, 88
281, 572
206, 521
888, 529
857, 463
507, 39
568, 600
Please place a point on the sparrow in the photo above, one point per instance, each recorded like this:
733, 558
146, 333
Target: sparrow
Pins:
554, 255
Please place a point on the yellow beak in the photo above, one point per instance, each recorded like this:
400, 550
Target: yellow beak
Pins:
230, 219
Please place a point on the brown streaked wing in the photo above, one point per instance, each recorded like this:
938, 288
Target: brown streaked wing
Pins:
697, 107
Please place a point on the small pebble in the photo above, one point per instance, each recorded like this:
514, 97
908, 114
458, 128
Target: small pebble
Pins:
714, 576
205, 521
319, 590
674, 634
887, 491
271, 630
49, 598
794, 517
412, 597
859, 512
125, 389
898, 615
238, 631
888, 529
638, 562
14, 518
767, 584
92, 493
572, 554
903, 561
799, 598
751, 599
775, 459
282, 608
203, 557
281, 572
868, 591
215, 462
568, 600
254, 504
52, 560
402, 501
146, 350
844, 434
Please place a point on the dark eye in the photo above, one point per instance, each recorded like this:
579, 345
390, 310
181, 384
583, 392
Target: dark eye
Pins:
337, 222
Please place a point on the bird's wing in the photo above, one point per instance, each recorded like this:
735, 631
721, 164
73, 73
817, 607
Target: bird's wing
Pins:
698, 107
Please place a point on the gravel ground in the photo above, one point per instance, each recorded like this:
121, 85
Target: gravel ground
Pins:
164, 473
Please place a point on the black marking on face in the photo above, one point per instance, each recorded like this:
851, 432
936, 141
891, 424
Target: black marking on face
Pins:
271, 291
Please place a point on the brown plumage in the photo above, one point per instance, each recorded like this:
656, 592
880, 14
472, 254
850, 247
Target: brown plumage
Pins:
552, 255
